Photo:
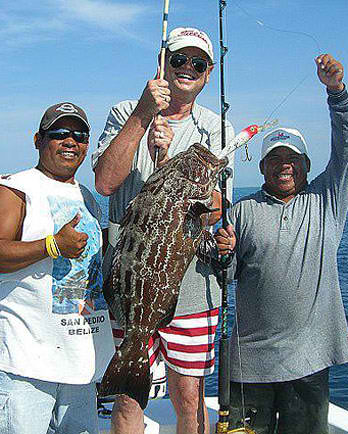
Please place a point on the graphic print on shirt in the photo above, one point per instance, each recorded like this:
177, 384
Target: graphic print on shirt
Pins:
77, 283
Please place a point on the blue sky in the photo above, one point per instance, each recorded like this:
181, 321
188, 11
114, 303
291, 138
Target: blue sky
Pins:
98, 52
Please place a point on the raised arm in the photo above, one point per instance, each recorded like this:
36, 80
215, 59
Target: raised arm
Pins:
330, 73
114, 165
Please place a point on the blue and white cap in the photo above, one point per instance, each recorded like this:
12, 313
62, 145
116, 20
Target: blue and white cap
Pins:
288, 137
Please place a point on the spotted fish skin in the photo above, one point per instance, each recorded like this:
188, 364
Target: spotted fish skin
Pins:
158, 239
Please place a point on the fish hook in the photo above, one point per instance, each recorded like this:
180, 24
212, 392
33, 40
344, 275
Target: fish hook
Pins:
248, 157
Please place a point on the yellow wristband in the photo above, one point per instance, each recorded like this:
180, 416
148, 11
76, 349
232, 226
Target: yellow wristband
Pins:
51, 247
56, 247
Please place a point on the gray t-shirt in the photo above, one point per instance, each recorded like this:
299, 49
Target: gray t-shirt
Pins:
199, 290
291, 316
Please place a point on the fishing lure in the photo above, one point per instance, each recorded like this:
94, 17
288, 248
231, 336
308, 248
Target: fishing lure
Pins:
242, 138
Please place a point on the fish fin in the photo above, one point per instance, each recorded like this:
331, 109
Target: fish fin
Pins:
192, 226
199, 208
128, 373
114, 302
116, 309
207, 248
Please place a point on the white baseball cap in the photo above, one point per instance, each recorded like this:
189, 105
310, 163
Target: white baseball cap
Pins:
288, 137
182, 37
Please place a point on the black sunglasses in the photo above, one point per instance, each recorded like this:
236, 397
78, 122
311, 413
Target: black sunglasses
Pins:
63, 133
178, 59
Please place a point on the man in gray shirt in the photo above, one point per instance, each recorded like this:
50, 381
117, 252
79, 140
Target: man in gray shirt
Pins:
122, 163
291, 321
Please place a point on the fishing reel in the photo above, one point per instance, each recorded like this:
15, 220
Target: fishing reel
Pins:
244, 429
245, 424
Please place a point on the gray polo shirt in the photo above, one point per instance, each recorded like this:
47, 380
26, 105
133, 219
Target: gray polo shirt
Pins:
199, 291
291, 317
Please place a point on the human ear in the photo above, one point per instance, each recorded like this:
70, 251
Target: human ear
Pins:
209, 71
261, 167
308, 163
37, 140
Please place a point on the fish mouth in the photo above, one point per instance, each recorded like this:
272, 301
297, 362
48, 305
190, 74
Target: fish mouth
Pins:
207, 156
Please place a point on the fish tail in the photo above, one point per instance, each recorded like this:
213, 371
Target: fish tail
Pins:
128, 373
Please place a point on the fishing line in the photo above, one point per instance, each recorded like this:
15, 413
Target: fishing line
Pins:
286, 97
267, 26
275, 29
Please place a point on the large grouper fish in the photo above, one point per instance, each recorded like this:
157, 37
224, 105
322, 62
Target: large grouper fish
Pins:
158, 238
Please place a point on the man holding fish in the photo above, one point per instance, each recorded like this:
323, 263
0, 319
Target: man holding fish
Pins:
167, 118
283, 243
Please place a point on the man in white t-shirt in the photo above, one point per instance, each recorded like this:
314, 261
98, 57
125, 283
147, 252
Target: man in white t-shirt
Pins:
122, 163
55, 331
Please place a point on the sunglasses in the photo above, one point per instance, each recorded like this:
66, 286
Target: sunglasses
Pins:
178, 59
62, 133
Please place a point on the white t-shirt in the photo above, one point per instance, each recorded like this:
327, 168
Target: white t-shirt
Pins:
54, 323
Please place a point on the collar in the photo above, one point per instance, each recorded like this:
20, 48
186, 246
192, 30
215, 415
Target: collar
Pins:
276, 199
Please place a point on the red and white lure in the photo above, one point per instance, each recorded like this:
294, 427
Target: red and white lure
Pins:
242, 138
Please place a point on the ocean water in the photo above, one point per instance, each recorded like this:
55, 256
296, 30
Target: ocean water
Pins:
338, 374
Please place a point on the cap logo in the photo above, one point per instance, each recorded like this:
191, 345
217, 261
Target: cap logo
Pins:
193, 33
280, 136
66, 108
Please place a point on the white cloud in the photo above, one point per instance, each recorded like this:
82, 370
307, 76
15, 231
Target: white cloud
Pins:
23, 24
102, 13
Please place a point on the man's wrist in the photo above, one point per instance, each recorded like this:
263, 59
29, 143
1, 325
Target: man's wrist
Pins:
142, 112
335, 90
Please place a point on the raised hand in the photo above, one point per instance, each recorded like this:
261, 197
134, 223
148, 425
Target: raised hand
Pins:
155, 97
330, 72
71, 243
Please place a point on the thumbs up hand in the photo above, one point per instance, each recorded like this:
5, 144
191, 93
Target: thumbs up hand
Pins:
71, 243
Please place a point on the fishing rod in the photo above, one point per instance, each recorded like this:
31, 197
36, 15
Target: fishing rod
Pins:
164, 38
224, 344
224, 348
224, 353
162, 55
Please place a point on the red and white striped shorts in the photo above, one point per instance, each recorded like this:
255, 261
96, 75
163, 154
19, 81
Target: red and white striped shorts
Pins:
186, 344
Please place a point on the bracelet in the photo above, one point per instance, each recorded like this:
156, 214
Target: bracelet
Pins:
56, 246
52, 247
